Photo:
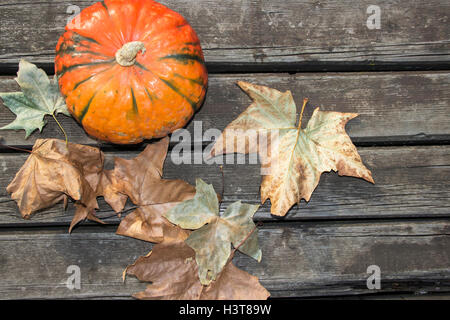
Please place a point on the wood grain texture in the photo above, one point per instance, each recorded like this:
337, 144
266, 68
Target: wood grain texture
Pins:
308, 259
419, 295
409, 182
289, 34
403, 106
321, 248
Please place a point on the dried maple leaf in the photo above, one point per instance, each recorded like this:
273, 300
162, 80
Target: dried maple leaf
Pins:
214, 235
39, 97
82, 213
235, 284
149, 224
141, 179
106, 187
174, 275
54, 171
294, 158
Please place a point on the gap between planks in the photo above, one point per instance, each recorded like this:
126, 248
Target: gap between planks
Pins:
291, 34
299, 260
408, 184
395, 108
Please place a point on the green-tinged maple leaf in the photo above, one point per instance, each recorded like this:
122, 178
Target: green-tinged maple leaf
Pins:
213, 233
39, 97
173, 273
293, 158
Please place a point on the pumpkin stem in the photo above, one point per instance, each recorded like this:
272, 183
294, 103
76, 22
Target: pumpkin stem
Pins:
126, 56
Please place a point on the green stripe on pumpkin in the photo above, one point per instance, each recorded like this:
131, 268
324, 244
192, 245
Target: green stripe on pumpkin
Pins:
149, 95
86, 108
137, 64
89, 78
200, 81
65, 69
184, 58
81, 82
105, 6
174, 88
77, 38
182, 25
135, 106
64, 49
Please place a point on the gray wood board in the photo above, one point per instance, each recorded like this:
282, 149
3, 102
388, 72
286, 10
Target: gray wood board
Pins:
409, 182
403, 106
295, 33
308, 259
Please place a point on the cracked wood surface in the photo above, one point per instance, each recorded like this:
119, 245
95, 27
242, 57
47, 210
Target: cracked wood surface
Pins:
319, 259
408, 183
319, 249
289, 34
393, 106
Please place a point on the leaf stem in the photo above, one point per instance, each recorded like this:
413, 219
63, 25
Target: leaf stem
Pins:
243, 241
62, 129
223, 183
14, 148
305, 102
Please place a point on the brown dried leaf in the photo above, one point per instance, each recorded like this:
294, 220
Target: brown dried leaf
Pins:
55, 171
172, 270
82, 213
149, 224
235, 284
141, 179
106, 187
293, 158
174, 275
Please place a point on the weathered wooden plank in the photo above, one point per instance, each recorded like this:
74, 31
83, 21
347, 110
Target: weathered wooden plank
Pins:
403, 106
420, 295
308, 259
289, 34
410, 182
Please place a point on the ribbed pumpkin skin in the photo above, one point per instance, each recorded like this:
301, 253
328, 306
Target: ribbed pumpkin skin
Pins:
150, 99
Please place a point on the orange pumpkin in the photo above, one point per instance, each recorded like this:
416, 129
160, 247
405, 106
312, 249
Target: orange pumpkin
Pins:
130, 70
